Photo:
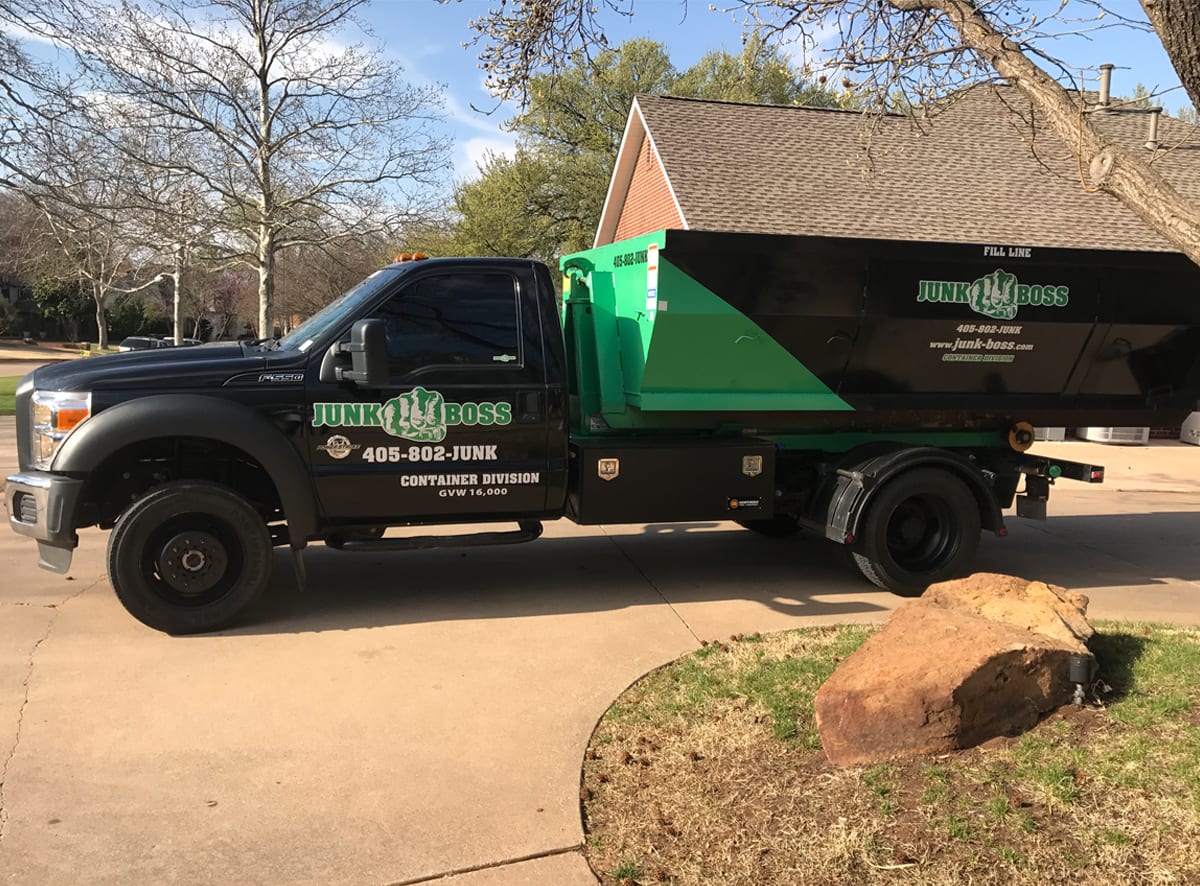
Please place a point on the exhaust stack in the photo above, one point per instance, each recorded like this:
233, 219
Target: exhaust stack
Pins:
1152, 129
1105, 84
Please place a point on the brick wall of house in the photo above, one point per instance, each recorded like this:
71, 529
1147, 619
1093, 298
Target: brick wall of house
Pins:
648, 205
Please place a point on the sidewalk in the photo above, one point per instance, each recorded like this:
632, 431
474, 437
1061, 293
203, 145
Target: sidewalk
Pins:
46, 352
1160, 466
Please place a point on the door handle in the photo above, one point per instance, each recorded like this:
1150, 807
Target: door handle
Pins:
529, 407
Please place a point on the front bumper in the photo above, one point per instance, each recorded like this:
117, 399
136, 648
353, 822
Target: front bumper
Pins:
42, 506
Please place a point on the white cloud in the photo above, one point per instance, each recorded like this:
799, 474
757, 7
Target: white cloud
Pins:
466, 116
468, 154
21, 34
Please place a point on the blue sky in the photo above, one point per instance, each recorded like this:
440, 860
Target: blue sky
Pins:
426, 37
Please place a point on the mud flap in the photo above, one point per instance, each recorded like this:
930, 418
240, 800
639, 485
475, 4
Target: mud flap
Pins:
1032, 505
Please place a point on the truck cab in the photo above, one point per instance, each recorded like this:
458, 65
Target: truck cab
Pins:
464, 418
430, 393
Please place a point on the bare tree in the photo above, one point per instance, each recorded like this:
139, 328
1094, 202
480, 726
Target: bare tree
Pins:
22, 88
21, 229
304, 141
1177, 23
311, 276
911, 53
173, 211
190, 297
232, 298
82, 191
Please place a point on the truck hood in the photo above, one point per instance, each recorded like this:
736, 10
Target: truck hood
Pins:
184, 368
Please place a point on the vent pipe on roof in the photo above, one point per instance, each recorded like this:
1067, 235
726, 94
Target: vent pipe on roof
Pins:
1105, 84
1152, 129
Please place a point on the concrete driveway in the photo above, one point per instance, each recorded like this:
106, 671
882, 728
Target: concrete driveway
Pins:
17, 368
19, 360
423, 715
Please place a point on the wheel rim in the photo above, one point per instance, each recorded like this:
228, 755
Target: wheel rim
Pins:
922, 534
192, 560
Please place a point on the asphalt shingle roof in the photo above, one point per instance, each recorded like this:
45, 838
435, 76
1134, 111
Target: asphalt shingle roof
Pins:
978, 172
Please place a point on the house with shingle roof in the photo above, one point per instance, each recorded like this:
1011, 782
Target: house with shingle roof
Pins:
983, 170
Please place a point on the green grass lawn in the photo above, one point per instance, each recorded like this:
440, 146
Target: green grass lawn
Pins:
709, 770
8, 387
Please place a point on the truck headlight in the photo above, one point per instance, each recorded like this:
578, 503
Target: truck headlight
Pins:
55, 415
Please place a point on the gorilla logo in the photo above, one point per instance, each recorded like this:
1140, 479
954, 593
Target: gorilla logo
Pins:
995, 295
417, 415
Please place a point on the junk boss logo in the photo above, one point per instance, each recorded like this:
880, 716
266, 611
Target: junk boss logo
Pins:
997, 295
419, 415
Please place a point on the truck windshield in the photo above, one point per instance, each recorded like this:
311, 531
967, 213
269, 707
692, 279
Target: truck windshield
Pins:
336, 313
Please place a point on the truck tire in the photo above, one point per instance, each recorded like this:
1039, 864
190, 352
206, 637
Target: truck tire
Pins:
919, 529
782, 526
188, 557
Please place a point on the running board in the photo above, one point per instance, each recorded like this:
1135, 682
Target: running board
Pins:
528, 531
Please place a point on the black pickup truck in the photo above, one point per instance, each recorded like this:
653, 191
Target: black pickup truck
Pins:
203, 459
879, 394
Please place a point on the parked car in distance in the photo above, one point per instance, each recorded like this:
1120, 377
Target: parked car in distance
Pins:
145, 343
142, 343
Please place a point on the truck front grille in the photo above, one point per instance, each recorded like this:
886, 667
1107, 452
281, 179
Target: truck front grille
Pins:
25, 508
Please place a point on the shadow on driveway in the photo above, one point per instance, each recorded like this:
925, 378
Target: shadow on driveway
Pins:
681, 563
694, 563
1099, 550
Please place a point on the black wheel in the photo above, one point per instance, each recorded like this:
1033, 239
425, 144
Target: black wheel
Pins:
921, 528
188, 557
782, 526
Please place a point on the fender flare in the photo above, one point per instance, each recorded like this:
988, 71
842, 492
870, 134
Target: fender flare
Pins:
196, 415
859, 477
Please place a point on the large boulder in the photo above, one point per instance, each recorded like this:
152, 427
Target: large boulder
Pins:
971, 660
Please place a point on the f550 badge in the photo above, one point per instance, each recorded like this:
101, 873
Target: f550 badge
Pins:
419, 415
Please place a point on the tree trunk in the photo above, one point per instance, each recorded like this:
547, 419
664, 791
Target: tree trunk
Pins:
266, 281
266, 195
101, 318
1178, 25
1131, 180
176, 281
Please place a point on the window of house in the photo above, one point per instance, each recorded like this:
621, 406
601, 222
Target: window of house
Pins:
461, 319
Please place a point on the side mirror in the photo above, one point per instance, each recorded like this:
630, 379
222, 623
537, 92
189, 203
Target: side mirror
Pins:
368, 355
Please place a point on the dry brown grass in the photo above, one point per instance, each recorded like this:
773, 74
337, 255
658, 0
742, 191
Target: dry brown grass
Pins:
694, 777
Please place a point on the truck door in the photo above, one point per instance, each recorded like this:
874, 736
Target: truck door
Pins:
459, 433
